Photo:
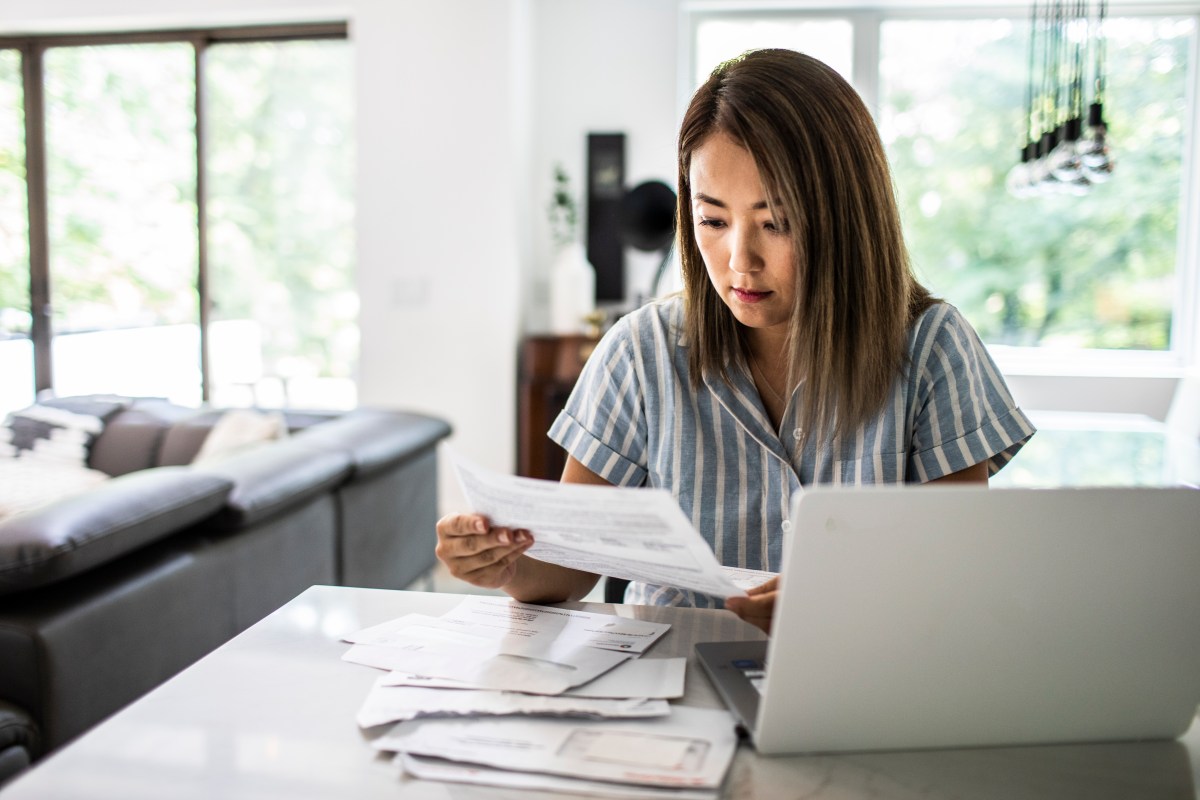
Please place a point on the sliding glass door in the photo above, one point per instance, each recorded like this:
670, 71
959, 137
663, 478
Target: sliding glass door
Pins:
16, 343
121, 177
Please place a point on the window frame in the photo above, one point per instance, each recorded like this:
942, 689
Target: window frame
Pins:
32, 49
867, 20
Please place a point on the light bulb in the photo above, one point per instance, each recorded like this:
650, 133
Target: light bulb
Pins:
1079, 186
1093, 149
1042, 173
1019, 181
1065, 161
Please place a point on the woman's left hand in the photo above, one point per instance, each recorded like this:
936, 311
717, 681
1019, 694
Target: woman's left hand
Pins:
759, 608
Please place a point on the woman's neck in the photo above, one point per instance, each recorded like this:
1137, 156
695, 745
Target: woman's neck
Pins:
769, 370
770, 354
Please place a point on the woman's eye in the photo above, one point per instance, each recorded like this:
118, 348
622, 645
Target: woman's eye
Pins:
779, 226
709, 222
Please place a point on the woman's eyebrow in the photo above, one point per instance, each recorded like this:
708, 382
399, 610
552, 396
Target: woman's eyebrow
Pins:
712, 201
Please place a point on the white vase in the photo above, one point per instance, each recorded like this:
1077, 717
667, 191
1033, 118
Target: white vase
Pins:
572, 290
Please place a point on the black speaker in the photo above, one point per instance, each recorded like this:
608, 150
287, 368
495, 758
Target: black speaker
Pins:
605, 191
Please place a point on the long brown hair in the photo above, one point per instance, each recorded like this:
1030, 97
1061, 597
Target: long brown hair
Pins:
821, 161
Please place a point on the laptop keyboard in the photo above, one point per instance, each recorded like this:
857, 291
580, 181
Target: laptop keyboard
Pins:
754, 670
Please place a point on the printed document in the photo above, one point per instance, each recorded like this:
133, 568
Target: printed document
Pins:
482, 613
637, 534
435, 769
387, 704
428, 646
691, 748
491, 617
655, 678
747, 578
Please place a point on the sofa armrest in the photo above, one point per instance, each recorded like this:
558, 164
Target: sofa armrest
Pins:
86, 530
375, 439
20, 740
273, 477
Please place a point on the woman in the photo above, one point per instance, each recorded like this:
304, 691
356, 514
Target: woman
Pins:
802, 350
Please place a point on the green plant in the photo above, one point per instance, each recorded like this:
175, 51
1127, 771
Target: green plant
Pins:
562, 211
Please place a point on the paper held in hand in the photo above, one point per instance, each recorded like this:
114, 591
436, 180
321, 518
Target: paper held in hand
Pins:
638, 534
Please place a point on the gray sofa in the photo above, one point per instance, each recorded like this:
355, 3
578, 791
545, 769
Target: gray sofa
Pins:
106, 594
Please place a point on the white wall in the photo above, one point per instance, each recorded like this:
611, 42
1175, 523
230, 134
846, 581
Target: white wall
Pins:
604, 66
440, 120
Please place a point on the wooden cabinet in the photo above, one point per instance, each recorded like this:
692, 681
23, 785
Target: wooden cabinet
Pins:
548, 367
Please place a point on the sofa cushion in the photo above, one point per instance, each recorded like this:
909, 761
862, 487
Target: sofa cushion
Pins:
270, 480
239, 428
55, 431
81, 532
185, 438
132, 439
377, 440
29, 483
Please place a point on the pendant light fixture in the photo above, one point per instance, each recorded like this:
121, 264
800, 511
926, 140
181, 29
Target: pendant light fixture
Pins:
1059, 155
1093, 149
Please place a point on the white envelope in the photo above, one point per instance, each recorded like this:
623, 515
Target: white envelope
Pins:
436, 769
389, 704
530, 666
481, 614
655, 678
691, 748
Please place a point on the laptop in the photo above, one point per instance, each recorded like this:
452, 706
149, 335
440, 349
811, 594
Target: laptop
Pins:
934, 617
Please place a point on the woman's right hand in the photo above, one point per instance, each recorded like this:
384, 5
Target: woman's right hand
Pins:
477, 553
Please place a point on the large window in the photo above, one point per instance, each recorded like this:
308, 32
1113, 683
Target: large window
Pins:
16, 349
1104, 276
121, 188
281, 241
190, 230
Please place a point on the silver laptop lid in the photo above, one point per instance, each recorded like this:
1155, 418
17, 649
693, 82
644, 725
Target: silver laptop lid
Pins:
946, 617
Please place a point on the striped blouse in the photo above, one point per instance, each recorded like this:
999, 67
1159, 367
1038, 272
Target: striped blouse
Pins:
634, 419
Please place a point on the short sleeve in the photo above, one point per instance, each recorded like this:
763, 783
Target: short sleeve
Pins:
964, 411
603, 425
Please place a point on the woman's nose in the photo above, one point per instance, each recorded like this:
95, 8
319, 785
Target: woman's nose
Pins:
743, 253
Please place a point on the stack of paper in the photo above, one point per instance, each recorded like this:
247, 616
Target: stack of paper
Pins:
564, 689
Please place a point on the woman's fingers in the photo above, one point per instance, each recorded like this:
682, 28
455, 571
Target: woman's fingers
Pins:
462, 524
758, 609
771, 585
500, 571
492, 567
477, 553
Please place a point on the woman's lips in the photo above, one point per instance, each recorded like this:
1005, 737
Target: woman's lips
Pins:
749, 296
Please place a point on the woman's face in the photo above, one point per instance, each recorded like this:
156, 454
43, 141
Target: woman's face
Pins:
747, 252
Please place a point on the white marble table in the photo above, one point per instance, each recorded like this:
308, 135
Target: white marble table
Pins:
271, 715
